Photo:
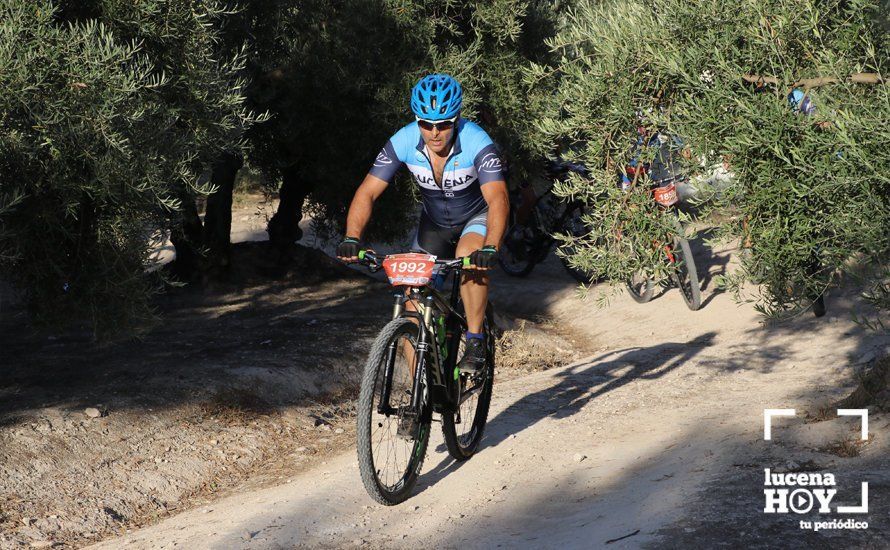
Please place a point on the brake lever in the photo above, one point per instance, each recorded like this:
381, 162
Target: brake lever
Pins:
374, 268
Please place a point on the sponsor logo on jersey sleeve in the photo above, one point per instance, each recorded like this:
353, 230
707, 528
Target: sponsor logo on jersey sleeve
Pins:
491, 164
382, 160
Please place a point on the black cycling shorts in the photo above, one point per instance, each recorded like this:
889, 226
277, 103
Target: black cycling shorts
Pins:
442, 241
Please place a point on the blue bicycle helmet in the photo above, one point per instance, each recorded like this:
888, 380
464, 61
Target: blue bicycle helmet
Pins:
436, 97
799, 101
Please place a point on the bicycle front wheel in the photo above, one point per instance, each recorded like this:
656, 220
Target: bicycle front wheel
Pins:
392, 438
463, 429
686, 275
516, 256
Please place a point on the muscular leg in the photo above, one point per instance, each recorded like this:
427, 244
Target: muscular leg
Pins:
474, 286
407, 348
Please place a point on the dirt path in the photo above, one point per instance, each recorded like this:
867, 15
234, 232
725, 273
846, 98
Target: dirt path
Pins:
249, 379
655, 439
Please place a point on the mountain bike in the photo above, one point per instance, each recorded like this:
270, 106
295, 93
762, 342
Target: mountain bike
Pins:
527, 244
412, 373
678, 256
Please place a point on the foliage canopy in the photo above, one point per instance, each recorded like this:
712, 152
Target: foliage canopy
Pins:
808, 192
104, 130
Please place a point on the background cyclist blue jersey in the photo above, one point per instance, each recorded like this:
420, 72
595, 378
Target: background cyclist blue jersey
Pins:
473, 162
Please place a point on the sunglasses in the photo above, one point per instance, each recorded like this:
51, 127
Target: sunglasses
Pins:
442, 125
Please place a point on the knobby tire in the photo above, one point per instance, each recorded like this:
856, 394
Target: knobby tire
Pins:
686, 277
463, 446
641, 291
367, 410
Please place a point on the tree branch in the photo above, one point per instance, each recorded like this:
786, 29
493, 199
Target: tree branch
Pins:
807, 83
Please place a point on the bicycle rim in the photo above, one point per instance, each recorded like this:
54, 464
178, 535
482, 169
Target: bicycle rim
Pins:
641, 288
390, 462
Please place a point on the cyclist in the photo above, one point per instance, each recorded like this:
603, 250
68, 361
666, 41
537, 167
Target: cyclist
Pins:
666, 167
464, 194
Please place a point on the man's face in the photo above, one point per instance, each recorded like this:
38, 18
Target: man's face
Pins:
437, 136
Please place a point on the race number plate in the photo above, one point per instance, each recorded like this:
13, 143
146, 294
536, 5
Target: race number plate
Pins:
667, 195
409, 269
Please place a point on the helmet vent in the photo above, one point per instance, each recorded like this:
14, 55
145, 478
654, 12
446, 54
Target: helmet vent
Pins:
437, 97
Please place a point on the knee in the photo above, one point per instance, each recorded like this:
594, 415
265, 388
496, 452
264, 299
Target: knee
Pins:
475, 277
468, 244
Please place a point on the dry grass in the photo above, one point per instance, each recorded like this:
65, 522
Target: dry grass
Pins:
236, 405
873, 389
528, 349
822, 412
847, 448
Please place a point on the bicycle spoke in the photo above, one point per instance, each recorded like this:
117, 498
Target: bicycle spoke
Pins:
472, 392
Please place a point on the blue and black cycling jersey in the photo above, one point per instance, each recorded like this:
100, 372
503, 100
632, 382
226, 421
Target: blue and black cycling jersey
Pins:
473, 162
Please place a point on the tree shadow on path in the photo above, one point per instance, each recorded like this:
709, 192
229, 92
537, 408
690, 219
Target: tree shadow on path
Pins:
577, 386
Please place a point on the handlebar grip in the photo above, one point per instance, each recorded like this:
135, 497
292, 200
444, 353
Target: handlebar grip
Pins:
361, 254
466, 262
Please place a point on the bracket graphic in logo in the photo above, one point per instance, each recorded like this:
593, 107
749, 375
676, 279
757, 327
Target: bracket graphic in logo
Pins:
768, 415
802, 500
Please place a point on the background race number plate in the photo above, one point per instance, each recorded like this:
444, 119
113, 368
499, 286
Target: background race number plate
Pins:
667, 195
409, 269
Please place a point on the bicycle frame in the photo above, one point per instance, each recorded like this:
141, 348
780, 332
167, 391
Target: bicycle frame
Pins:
444, 390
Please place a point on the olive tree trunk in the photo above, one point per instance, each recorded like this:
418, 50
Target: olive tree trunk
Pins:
284, 227
218, 218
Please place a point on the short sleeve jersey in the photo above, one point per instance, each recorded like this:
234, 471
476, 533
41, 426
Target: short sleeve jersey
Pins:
473, 162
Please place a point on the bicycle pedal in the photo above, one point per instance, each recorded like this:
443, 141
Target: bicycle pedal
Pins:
478, 376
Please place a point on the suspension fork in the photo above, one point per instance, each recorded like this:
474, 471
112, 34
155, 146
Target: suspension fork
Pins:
421, 354
383, 406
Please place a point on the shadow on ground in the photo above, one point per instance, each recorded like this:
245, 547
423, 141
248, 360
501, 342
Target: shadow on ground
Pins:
720, 500
260, 321
577, 385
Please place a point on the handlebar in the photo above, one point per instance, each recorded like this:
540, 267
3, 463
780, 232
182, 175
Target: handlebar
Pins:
373, 260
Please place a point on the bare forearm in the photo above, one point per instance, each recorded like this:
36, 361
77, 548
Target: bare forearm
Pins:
362, 205
498, 212
359, 214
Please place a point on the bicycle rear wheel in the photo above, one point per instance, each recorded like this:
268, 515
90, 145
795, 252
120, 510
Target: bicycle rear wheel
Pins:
641, 288
389, 455
463, 429
819, 308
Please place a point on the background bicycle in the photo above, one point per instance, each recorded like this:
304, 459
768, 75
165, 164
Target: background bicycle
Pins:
663, 174
536, 220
